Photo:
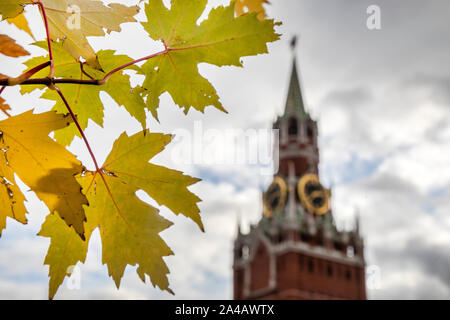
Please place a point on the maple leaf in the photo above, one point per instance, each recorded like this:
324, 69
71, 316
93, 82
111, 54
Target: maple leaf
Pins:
42, 164
65, 250
85, 99
129, 227
11, 8
222, 39
11, 198
3, 105
93, 16
244, 6
10, 48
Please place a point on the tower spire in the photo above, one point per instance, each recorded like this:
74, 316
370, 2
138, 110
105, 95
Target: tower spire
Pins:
294, 101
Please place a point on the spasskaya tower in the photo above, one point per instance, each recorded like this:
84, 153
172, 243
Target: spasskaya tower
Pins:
296, 251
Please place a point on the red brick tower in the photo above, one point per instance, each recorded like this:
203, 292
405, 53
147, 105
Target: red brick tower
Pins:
295, 251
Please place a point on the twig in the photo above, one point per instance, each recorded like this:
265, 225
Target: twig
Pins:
84, 72
108, 75
25, 76
86, 142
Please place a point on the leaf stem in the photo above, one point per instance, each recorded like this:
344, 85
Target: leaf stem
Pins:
47, 31
108, 75
25, 76
49, 81
84, 71
86, 142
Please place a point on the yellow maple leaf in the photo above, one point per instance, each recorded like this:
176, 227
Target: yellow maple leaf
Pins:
129, 227
11, 8
244, 6
3, 105
22, 23
73, 20
10, 48
42, 164
11, 198
65, 250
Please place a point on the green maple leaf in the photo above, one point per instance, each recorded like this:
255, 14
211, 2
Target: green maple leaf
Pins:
11, 8
85, 99
129, 228
222, 39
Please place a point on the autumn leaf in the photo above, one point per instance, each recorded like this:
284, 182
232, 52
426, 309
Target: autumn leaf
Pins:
129, 227
85, 99
3, 105
93, 17
21, 22
10, 48
65, 250
11, 198
222, 39
42, 164
245, 6
11, 8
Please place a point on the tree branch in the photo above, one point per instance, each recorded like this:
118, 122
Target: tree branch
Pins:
103, 81
25, 76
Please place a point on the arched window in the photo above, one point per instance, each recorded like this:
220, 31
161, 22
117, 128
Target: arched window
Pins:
348, 275
329, 270
245, 252
310, 266
300, 261
309, 132
292, 129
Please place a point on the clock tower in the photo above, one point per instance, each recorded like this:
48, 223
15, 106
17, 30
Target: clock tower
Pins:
296, 251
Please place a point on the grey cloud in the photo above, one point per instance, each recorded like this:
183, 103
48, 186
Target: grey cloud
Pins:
431, 260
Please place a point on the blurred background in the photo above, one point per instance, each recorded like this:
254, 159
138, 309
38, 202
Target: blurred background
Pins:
382, 102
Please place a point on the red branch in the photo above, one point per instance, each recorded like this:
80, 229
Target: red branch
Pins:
103, 81
25, 76
78, 126
50, 53
51, 82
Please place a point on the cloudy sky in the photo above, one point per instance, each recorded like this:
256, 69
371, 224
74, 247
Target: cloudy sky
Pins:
382, 100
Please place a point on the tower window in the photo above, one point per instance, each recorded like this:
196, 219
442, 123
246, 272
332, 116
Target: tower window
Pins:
309, 132
245, 252
292, 129
310, 266
350, 251
348, 275
300, 262
329, 271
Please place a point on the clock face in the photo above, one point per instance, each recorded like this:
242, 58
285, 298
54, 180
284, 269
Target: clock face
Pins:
312, 194
275, 196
